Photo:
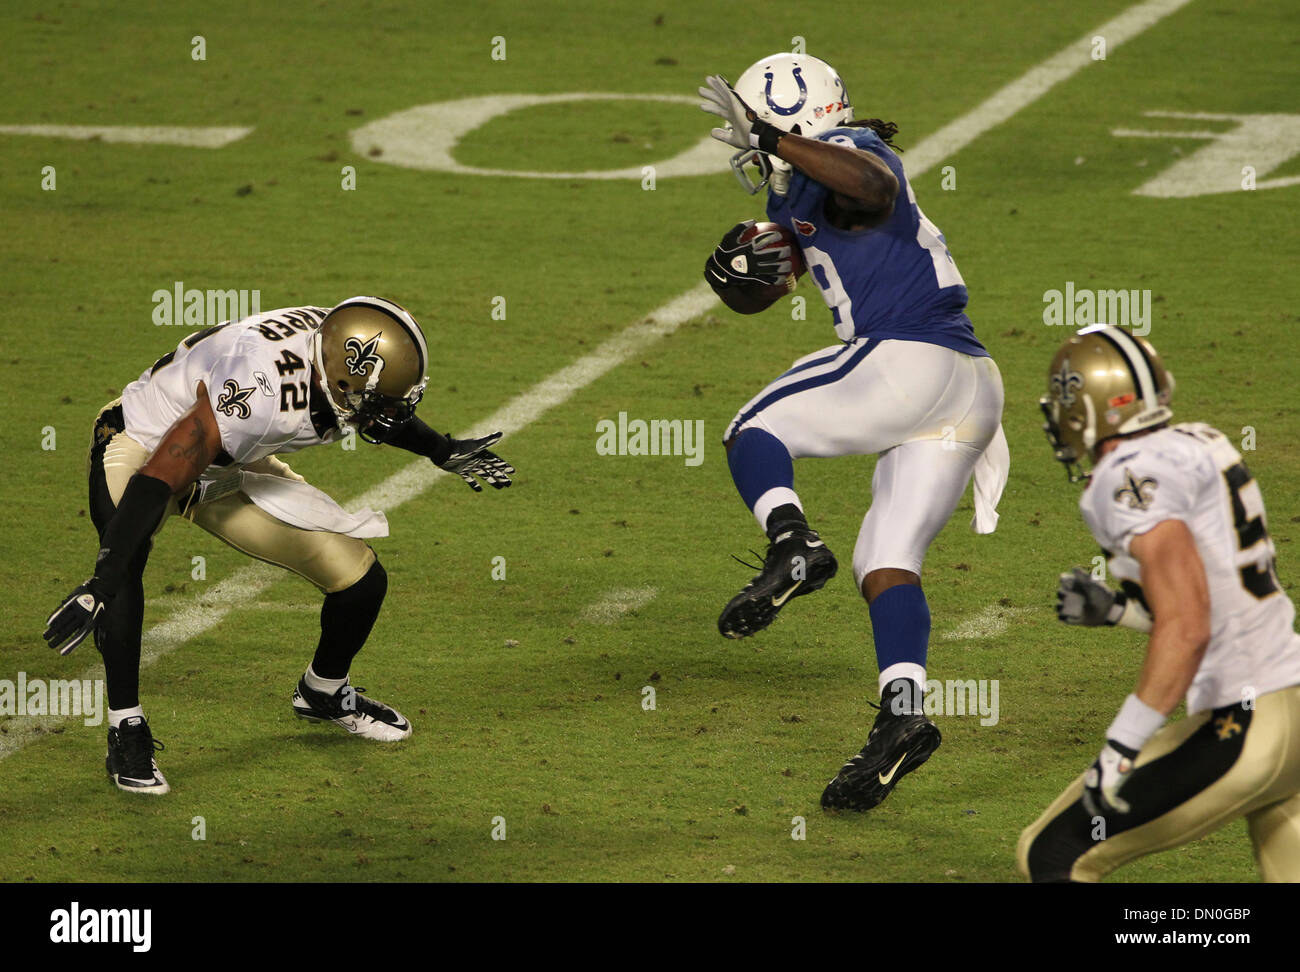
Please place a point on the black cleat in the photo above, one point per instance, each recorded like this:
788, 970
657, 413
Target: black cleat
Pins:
797, 563
130, 762
899, 742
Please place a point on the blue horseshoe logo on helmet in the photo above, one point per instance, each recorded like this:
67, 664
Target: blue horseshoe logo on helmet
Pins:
803, 94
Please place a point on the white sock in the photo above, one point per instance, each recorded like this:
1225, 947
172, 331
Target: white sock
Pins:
774, 497
903, 670
115, 716
327, 685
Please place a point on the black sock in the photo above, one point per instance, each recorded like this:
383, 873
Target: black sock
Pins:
118, 640
783, 518
345, 622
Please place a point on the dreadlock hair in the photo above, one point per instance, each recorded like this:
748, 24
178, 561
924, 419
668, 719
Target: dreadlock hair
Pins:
886, 130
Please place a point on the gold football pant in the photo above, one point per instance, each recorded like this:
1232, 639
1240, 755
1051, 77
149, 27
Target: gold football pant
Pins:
1192, 777
331, 561
344, 568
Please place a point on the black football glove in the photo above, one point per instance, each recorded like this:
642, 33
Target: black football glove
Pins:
766, 259
75, 618
471, 457
1104, 778
1082, 600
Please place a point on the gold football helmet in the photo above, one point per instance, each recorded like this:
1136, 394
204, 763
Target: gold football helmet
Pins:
1103, 382
371, 358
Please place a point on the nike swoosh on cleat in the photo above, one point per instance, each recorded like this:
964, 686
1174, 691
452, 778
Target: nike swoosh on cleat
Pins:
778, 601
885, 780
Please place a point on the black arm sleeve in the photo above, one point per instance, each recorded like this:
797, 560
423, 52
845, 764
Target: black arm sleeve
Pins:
143, 503
415, 436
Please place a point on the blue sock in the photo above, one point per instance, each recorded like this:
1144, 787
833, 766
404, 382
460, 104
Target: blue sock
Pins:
759, 462
900, 622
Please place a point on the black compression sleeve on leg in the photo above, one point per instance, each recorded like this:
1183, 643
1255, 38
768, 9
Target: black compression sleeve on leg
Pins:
346, 620
118, 638
143, 503
415, 436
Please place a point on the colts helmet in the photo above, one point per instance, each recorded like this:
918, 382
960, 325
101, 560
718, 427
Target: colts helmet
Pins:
1103, 382
796, 93
371, 358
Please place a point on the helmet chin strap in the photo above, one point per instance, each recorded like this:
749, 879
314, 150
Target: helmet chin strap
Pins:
1090, 428
318, 365
373, 380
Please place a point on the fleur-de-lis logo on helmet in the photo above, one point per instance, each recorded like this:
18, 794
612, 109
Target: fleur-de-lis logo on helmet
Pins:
1065, 383
362, 357
1136, 492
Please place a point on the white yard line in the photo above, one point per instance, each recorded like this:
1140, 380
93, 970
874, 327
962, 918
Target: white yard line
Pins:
191, 136
1033, 84
245, 584
988, 623
614, 604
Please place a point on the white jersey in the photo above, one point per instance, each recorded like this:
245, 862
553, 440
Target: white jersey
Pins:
1191, 472
258, 375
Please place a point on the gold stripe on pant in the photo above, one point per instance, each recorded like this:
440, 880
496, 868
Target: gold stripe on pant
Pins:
1261, 784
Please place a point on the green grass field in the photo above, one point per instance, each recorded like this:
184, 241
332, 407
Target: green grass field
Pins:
525, 708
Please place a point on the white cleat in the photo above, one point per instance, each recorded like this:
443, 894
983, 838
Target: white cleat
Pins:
352, 712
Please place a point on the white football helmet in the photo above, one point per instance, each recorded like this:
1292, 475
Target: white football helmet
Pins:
796, 93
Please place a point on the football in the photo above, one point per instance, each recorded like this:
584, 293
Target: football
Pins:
759, 297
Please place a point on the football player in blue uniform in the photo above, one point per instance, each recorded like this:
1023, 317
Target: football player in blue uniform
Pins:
908, 381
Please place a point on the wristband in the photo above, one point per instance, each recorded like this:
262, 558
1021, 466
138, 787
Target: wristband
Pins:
1133, 615
764, 137
415, 436
1136, 723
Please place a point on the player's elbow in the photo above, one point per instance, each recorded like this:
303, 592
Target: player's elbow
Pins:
1190, 627
879, 188
1196, 630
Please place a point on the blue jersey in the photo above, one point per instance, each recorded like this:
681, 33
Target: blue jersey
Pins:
895, 280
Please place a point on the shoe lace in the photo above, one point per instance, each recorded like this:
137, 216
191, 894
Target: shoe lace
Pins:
138, 747
746, 563
361, 705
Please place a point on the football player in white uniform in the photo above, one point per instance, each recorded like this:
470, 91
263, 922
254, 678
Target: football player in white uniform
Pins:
1182, 523
198, 435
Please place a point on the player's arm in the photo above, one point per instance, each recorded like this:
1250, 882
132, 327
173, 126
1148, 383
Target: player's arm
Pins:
857, 175
1173, 580
851, 172
186, 449
466, 458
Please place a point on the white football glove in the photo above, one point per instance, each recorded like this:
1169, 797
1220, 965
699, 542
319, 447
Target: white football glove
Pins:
1102, 782
745, 129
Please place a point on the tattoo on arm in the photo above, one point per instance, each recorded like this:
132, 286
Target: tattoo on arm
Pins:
192, 454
